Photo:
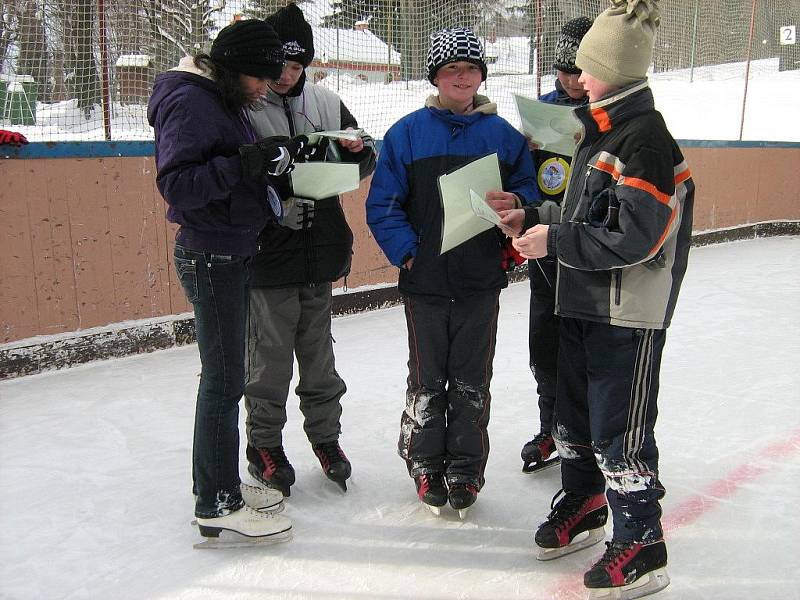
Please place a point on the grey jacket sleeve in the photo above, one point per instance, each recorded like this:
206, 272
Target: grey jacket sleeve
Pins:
546, 213
366, 158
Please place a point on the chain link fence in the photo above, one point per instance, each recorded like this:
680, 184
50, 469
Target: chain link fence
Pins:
83, 69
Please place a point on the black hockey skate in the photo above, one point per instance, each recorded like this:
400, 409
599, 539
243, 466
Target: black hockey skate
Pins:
461, 497
335, 464
571, 516
539, 453
271, 467
431, 491
628, 570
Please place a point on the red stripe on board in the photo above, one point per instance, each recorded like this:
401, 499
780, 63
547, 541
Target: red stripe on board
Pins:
689, 511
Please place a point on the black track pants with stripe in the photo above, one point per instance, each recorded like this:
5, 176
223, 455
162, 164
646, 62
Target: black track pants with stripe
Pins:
451, 349
605, 414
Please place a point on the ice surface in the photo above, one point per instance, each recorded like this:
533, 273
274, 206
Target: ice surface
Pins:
95, 468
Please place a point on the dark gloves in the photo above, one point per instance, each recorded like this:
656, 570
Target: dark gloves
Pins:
298, 213
319, 151
274, 156
12, 137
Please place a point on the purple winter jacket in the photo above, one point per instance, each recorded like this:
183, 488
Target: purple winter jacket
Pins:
199, 170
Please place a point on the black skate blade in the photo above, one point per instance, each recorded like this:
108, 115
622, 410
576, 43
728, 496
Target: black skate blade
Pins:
533, 467
340, 483
647, 584
232, 539
579, 543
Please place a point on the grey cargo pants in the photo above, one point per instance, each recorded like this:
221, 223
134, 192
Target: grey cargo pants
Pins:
284, 323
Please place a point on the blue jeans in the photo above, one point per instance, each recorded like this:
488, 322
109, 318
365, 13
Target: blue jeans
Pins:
217, 286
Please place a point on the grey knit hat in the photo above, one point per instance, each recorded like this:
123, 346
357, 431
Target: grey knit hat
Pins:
567, 46
453, 45
618, 48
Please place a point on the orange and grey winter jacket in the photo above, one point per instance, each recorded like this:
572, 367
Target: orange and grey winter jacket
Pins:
626, 219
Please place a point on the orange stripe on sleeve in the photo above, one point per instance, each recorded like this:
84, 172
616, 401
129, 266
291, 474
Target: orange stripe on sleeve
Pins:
608, 168
663, 235
682, 176
647, 187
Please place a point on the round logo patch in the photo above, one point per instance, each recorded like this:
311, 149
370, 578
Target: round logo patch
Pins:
553, 176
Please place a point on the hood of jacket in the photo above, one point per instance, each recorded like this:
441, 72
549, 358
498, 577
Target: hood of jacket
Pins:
186, 74
480, 105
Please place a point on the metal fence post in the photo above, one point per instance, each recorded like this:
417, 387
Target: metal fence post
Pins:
747, 69
694, 40
104, 73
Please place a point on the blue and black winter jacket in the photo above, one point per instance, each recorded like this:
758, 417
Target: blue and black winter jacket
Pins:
404, 210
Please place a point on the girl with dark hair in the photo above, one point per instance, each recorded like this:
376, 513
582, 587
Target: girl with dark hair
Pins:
213, 174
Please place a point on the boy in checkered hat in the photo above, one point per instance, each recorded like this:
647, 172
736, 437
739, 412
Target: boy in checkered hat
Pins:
451, 299
622, 247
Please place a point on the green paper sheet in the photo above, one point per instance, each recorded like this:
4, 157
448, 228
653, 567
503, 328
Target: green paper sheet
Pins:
552, 126
317, 180
460, 223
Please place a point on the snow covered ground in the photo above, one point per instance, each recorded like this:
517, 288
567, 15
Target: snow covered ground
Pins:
707, 108
96, 492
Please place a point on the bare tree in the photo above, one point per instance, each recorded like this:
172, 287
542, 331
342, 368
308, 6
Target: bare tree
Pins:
32, 58
179, 28
11, 17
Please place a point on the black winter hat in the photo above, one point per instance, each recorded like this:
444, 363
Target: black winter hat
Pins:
453, 45
295, 33
251, 47
567, 46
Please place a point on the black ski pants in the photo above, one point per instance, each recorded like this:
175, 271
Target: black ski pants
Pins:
543, 336
605, 415
451, 348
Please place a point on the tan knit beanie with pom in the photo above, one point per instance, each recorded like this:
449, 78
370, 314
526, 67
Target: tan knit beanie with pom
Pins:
618, 48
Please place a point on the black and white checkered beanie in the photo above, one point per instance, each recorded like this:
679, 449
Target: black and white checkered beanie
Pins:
567, 46
453, 45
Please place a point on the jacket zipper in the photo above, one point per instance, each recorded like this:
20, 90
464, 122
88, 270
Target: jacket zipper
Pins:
583, 193
288, 112
617, 286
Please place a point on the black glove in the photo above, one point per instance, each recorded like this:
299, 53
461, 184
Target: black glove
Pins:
319, 151
12, 137
298, 213
272, 157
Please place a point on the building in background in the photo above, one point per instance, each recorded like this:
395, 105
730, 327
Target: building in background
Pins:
357, 53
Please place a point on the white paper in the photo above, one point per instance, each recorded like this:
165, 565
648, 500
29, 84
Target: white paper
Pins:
460, 222
317, 180
553, 127
483, 210
339, 134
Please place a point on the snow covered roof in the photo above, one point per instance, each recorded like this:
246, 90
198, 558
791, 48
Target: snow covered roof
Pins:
353, 46
133, 60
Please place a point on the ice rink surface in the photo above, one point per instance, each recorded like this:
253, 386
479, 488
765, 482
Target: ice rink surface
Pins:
96, 487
